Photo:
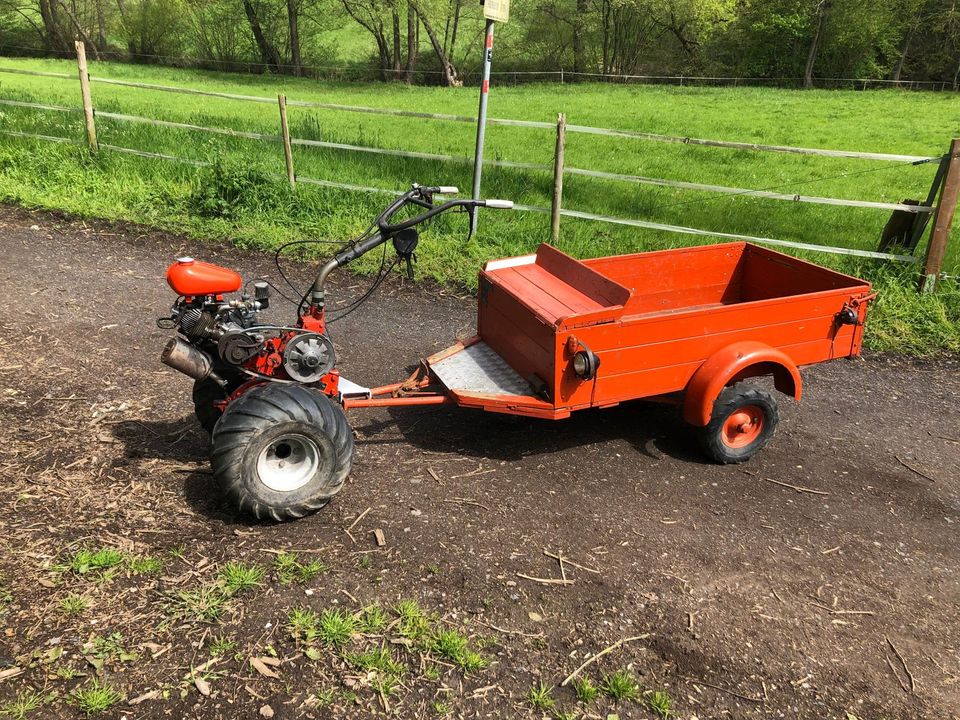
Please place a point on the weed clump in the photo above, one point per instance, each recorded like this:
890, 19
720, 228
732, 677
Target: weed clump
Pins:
619, 686
541, 697
229, 188
289, 569
96, 697
660, 703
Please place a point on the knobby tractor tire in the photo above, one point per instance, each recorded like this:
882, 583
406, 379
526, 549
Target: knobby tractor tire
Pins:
743, 421
205, 394
280, 452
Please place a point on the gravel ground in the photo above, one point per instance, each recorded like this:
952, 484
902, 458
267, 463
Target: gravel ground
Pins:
754, 595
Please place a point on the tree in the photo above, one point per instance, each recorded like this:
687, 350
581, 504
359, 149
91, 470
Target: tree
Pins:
268, 51
293, 22
820, 22
449, 77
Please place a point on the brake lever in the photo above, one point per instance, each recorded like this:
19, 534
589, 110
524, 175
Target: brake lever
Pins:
471, 209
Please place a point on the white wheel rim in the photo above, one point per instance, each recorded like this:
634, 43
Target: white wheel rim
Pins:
289, 462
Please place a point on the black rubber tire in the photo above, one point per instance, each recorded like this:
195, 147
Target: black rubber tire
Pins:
205, 394
732, 399
267, 414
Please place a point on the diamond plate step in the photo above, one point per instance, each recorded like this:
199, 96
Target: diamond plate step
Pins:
479, 369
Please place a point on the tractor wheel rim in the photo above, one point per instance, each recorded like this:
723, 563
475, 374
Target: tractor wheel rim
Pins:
743, 426
288, 462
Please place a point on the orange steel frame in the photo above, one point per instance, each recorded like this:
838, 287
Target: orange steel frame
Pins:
672, 326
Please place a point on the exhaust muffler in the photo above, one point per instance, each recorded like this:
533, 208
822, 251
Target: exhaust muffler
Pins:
190, 361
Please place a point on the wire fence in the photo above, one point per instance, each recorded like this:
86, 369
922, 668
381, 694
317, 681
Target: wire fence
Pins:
369, 71
921, 212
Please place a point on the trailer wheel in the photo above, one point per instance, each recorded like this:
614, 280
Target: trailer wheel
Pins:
743, 421
280, 452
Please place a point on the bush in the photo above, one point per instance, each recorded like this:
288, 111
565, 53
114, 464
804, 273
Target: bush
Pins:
229, 188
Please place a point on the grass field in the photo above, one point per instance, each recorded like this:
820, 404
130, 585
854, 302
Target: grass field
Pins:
242, 202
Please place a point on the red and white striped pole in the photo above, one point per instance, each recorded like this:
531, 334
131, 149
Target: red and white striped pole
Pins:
482, 115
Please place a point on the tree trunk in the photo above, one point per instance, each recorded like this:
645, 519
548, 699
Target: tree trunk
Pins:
605, 14
904, 49
294, 23
384, 51
54, 38
579, 29
449, 77
452, 46
269, 54
413, 45
84, 35
101, 27
397, 58
823, 11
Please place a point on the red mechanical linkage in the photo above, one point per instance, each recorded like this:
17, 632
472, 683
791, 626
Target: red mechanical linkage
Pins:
314, 320
269, 361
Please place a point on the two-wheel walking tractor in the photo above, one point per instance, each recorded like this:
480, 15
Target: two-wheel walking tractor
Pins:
684, 327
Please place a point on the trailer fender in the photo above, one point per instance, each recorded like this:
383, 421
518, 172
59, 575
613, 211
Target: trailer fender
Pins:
735, 362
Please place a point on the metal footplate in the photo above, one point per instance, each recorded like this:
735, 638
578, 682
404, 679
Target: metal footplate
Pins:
479, 369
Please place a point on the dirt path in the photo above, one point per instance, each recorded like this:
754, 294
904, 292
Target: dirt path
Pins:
760, 601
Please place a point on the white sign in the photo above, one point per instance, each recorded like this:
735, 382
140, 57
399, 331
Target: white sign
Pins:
498, 10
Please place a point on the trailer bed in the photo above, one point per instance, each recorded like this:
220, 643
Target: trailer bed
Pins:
652, 319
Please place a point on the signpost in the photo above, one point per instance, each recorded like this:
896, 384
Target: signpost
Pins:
494, 11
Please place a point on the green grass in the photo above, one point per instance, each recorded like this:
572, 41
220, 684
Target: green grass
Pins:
240, 200
336, 627
585, 690
289, 569
619, 686
541, 697
205, 603
413, 621
104, 562
221, 645
454, 647
85, 560
145, 564
26, 702
331, 627
660, 703
95, 698
237, 577
373, 619
73, 604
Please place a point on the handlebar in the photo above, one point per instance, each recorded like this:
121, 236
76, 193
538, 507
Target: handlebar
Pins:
417, 195
424, 197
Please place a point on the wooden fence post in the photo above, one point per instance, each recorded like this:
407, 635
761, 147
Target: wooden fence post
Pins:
85, 94
287, 150
558, 177
942, 222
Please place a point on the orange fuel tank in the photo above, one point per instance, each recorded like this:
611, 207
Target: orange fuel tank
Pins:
189, 277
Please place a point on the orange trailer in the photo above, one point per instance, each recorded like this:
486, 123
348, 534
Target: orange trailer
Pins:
554, 335
683, 326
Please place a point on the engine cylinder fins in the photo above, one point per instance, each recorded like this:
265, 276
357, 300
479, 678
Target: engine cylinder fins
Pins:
308, 357
196, 323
